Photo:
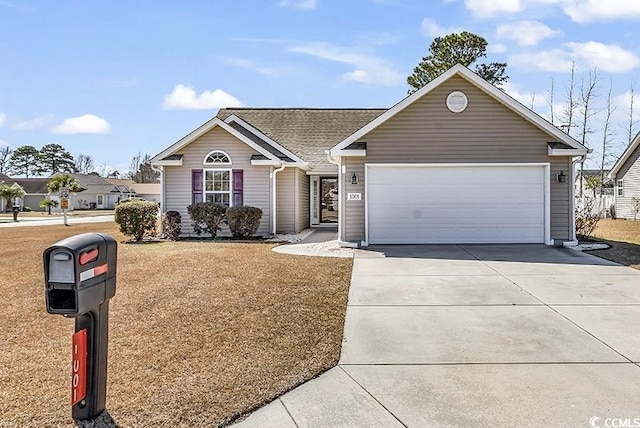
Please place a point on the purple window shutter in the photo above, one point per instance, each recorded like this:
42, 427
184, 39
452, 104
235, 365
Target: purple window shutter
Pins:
238, 186
196, 185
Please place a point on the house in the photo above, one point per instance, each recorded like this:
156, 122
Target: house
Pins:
148, 191
99, 192
586, 174
35, 191
626, 177
458, 161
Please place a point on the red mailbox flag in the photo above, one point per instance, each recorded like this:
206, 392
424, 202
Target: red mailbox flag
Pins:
79, 367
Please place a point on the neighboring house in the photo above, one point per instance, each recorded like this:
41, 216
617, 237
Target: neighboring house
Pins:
99, 192
148, 191
626, 176
35, 190
607, 188
458, 161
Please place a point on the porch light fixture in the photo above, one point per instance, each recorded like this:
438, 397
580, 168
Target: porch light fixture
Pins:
561, 177
354, 179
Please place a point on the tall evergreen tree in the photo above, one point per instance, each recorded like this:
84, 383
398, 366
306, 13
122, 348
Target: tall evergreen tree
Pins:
457, 48
56, 159
27, 161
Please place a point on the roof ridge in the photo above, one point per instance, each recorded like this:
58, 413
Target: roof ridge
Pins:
308, 108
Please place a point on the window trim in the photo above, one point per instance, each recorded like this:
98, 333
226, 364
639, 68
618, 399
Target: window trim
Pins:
206, 192
204, 161
620, 188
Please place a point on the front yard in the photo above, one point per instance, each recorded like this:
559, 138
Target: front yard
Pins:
200, 332
624, 238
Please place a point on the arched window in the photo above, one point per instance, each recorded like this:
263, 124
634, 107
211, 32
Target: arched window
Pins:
217, 157
217, 178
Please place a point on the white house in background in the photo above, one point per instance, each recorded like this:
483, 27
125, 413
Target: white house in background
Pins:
99, 192
626, 176
148, 191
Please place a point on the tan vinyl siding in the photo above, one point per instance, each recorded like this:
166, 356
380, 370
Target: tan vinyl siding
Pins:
630, 174
302, 200
285, 191
177, 179
353, 211
486, 132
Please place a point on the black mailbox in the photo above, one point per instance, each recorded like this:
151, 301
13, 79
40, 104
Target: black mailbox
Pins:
80, 279
80, 273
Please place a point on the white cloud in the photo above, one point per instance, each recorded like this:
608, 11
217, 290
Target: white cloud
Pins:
268, 71
368, 69
3, 119
497, 48
528, 99
299, 4
578, 10
3, 143
85, 124
608, 58
30, 124
552, 60
526, 33
601, 10
622, 103
489, 8
185, 98
432, 29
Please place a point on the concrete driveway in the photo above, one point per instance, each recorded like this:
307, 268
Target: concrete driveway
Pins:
478, 335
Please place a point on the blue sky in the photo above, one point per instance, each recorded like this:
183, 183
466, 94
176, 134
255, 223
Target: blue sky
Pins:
114, 78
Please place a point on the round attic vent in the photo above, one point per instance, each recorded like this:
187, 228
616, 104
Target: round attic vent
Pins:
457, 102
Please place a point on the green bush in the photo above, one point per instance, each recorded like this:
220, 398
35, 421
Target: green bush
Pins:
243, 221
206, 217
137, 219
172, 225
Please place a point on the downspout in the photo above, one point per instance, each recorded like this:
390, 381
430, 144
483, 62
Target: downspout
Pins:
572, 205
331, 160
274, 193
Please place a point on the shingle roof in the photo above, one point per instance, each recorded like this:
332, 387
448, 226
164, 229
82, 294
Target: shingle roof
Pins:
32, 185
306, 132
4, 177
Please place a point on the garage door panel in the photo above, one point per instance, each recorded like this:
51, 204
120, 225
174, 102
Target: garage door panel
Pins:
456, 204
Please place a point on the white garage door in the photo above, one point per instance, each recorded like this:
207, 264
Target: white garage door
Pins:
456, 204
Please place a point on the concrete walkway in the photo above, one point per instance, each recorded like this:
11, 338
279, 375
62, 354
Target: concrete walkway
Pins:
471, 335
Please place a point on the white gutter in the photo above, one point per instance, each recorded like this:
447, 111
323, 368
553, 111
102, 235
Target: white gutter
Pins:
331, 160
274, 193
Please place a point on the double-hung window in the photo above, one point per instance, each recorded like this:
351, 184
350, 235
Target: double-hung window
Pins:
620, 187
217, 180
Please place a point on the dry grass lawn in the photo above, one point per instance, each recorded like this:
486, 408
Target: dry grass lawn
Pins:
200, 332
624, 238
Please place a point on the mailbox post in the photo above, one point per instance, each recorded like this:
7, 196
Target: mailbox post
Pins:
80, 278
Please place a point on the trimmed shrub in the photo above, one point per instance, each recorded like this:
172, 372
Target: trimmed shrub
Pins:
243, 221
206, 217
172, 225
137, 219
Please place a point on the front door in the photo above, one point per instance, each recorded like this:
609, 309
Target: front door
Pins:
328, 199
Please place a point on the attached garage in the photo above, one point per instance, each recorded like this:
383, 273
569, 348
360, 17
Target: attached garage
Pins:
457, 203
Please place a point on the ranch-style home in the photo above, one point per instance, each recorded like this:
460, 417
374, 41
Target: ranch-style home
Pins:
626, 177
458, 161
